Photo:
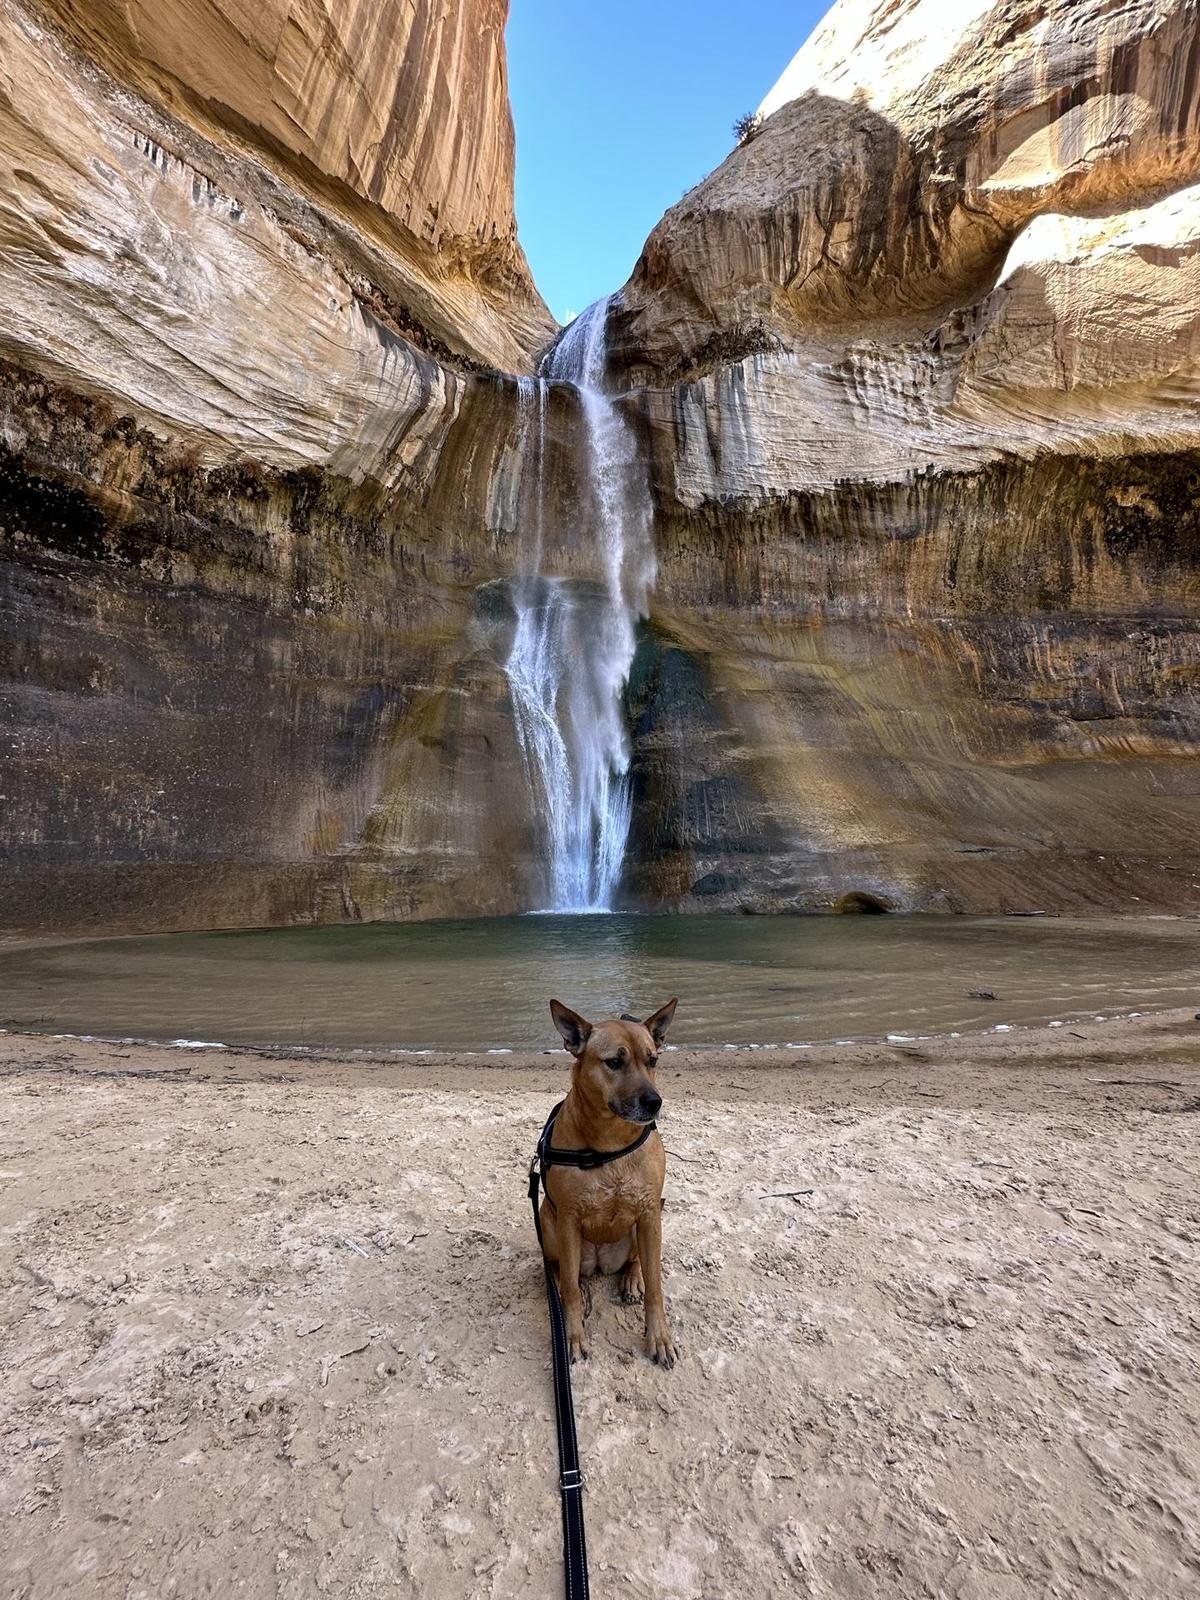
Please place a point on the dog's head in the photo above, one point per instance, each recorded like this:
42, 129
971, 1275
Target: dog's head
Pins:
615, 1061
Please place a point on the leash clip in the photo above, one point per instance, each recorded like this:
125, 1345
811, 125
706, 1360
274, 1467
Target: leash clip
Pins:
571, 1479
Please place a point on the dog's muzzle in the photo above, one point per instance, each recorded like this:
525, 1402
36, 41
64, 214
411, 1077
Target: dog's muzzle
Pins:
644, 1109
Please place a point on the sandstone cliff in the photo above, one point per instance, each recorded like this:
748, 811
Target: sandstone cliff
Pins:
928, 550
903, 151
391, 117
401, 105
257, 268
915, 375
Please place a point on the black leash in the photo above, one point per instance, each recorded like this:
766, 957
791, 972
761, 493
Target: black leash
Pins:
570, 1478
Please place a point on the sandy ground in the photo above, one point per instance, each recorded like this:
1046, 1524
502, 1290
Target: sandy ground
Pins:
277, 1328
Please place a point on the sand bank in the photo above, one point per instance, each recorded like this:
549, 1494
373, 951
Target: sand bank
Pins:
275, 1327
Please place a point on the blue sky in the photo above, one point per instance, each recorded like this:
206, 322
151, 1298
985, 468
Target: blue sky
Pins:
621, 106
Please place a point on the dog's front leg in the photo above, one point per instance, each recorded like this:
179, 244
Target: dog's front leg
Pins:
570, 1251
660, 1346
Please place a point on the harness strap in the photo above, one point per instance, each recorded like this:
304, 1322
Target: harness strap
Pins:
587, 1159
570, 1478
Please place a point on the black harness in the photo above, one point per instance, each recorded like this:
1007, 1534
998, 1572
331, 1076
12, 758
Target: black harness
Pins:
570, 1478
584, 1159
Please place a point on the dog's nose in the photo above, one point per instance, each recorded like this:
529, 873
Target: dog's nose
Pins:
651, 1103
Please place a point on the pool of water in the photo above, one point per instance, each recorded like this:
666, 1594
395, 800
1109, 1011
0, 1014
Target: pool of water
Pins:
485, 984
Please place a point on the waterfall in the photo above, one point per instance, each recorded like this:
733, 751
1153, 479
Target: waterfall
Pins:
573, 643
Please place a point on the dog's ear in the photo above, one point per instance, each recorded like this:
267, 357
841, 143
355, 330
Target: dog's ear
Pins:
661, 1020
574, 1029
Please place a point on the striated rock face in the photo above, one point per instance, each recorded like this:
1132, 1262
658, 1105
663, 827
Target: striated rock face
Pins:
401, 104
244, 695
256, 472
927, 616
904, 148
916, 378
393, 114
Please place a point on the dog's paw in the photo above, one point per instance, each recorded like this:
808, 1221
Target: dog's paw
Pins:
578, 1347
631, 1288
661, 1348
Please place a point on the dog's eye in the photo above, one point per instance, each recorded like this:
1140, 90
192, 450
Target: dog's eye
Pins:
615, 1062
651, 1062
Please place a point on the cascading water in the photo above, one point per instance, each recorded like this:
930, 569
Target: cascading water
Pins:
573, 644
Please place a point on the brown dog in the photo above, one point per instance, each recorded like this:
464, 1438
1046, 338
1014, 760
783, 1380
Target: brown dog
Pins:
609, 1218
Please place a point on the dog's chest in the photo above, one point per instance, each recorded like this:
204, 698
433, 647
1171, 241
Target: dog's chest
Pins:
611, 1199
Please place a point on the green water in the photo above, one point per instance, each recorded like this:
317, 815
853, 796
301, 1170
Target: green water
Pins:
485, 984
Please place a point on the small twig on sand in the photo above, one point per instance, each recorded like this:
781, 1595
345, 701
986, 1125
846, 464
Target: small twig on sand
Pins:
1138, 1083
692, 1161
786, 1194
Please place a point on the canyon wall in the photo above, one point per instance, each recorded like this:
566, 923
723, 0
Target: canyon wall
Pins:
915, 373
258, 272
919, 367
